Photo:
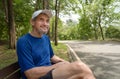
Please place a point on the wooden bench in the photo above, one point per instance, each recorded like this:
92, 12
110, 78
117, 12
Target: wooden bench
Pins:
10, 72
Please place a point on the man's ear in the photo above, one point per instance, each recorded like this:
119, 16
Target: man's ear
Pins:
32, 22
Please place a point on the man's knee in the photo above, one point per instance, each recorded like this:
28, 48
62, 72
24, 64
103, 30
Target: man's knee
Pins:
72, 69
80, 67
76, 66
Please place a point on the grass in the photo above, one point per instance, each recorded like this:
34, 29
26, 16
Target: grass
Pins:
61, 51
8, 56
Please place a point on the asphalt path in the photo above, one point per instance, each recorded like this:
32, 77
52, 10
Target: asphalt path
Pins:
103, 57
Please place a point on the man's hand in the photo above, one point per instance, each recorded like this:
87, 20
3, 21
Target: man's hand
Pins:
61, 64
56, 59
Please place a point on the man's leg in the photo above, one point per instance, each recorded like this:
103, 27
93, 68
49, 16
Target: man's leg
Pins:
75, 70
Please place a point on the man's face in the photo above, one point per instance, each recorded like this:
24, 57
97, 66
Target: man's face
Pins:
41, 24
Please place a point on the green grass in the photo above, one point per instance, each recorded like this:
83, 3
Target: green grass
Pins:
61, 51
8, 56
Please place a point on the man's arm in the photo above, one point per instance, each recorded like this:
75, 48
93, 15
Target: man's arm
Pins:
56, 59
37, 72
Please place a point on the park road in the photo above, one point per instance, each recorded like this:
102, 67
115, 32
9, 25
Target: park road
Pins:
103, 57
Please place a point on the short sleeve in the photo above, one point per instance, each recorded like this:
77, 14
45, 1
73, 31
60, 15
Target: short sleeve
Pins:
25, 58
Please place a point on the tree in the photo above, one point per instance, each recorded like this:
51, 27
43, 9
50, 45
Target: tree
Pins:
11, 25
38, 4
97, 12
3, 20
95, 17
112, 32
99, 24
45, 4
57, 10
22, 16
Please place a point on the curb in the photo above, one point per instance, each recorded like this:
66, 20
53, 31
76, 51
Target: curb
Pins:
73, 56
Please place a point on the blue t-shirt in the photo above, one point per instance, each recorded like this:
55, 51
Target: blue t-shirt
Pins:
33, 52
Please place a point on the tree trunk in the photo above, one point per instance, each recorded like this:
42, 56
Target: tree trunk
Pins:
11, 24
5, 10
56, 21
57, 10
95, 33
59, 7
39, 4
46, 6
53, 31
101, 30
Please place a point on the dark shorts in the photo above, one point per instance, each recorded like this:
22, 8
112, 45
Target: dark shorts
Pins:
48, 75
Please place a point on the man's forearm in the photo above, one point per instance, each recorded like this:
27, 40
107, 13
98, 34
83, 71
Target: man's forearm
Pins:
38, 72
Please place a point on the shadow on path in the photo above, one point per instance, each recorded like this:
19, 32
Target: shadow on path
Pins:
104, 66
102, 57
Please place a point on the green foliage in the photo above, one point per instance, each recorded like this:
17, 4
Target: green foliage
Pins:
69, 34
99, 13
93, 15
3, 30
84, 28
7, 56
3, 25
22, 16
112, 32
73, 31
69, 31
90, 11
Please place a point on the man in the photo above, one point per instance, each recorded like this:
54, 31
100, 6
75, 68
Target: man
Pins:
35, 54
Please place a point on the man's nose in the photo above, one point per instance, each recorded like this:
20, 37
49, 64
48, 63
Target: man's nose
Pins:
46, 23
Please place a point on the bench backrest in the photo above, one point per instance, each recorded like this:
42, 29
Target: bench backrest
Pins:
10, 72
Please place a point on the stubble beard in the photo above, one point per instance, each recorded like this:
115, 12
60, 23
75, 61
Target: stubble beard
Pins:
41, 32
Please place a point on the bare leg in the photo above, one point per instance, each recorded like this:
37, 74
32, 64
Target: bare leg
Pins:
75, 70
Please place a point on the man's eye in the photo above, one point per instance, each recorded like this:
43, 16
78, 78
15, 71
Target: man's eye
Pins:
41, 19
47, 20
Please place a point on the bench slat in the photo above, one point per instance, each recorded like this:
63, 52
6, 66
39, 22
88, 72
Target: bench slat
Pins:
8, 70
16, 75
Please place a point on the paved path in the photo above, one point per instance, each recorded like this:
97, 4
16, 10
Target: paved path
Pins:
102, 57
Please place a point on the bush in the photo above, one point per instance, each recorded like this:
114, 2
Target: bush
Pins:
112, 32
